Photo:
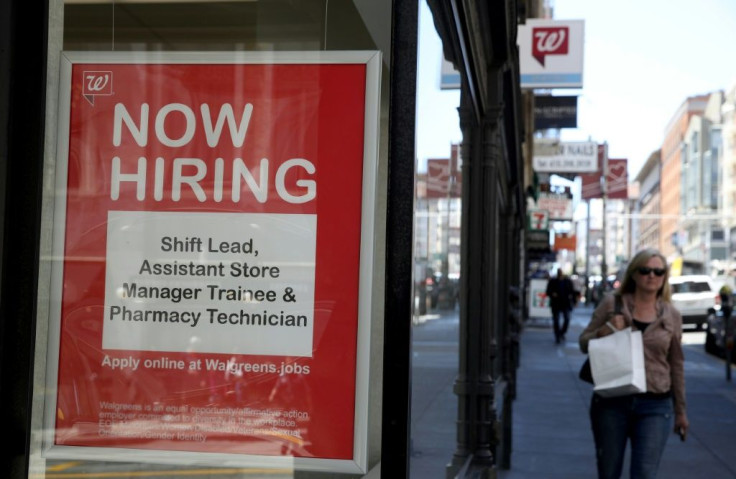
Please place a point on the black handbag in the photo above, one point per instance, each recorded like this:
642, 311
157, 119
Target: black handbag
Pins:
585, 373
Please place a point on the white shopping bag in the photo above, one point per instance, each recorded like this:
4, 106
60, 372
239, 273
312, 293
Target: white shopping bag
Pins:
617, 363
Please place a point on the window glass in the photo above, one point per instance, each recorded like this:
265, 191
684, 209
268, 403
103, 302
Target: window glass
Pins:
694, 142
690, 287
209, 297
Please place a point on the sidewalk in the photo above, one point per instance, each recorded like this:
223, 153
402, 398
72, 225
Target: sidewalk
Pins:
551, 437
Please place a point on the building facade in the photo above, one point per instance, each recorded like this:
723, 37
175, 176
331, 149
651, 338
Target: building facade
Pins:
671, 173
727, 198
701, 155
647, 207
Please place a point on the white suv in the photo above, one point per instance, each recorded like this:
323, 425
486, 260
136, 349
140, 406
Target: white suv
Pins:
693, 295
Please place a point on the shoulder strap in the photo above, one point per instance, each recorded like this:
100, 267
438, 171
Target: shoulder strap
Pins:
617, 304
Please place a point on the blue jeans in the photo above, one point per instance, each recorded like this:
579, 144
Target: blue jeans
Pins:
560, 331
644, 419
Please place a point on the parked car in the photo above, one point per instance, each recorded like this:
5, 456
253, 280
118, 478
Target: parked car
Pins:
693, 295
717, 339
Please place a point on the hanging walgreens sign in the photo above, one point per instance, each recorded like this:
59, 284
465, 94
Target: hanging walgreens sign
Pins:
551, 53
211, 297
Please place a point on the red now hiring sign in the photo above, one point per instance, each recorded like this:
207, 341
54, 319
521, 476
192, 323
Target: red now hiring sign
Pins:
210, 296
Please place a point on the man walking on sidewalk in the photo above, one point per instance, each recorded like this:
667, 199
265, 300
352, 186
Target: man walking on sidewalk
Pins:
561, 296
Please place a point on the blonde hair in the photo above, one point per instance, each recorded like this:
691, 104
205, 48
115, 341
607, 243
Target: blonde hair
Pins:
628, 285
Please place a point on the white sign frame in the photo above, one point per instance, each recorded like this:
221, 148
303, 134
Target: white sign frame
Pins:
359, 462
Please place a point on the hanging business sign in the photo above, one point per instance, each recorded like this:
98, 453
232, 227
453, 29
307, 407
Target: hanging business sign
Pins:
555, 112
617, 178
449, 77
211, 301
558, 206
565, 241
538, 300
439, 178
537, 219
443, 178
551, 53
537, 239
554, 156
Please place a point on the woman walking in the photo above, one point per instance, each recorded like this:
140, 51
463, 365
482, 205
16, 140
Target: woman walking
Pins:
645, 420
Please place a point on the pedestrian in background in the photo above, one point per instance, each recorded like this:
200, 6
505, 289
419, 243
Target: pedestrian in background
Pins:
726, 296
643, 419
561, 294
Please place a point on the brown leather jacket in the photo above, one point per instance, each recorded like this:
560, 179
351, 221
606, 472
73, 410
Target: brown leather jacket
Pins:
663, 357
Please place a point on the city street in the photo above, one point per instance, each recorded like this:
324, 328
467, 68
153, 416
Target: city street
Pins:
551, 431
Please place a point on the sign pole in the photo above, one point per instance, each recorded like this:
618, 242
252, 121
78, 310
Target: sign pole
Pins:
588, 296
604, 194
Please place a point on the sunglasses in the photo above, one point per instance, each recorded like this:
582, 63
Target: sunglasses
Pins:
644, 271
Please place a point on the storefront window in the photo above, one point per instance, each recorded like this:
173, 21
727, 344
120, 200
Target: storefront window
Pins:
209, 297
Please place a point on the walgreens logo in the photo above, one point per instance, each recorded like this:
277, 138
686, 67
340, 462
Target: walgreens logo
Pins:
96, 83
550, 41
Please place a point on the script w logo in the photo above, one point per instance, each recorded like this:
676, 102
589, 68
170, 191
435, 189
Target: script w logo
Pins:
549, 41
96, 83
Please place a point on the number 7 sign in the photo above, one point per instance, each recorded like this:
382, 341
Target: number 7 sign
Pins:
538, 219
